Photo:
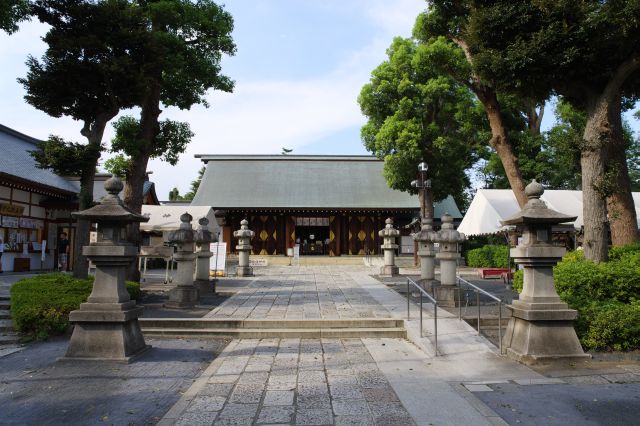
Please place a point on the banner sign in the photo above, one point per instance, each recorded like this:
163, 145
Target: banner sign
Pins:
12, 209
218, 261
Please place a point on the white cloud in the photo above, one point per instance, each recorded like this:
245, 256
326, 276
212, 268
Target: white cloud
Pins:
261, 116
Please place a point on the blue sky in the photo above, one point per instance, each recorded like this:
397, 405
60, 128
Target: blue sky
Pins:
299, 67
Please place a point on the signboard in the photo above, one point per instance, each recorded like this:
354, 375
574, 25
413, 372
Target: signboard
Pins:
218, 261
296, 252
10, 222
93, 237
258, 262
12, 209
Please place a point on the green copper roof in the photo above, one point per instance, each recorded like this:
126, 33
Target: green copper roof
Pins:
304, 182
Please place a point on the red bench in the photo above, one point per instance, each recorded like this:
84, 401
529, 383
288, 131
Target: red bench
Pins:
494, 272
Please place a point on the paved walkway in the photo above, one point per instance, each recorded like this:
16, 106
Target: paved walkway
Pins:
340, 381
293, 292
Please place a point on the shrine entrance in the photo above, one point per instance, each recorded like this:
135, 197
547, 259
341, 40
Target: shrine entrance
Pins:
312, 234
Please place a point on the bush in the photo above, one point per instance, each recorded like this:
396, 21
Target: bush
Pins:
610, 326
40, 305
606, 296
518, 280
489, 256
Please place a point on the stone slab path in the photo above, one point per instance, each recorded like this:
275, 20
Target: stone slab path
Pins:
292, 381
290, 292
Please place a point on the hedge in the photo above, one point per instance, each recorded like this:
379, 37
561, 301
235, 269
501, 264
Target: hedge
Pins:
40, 305
489, 256
606, 296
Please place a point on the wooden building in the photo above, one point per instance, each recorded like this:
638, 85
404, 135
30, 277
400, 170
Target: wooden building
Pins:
329, 205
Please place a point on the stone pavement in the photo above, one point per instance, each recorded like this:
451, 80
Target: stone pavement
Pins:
295, 292
36, 389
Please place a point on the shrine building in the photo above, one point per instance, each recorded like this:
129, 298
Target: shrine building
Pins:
328, 204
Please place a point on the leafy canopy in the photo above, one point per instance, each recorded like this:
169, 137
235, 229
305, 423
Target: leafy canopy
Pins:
415, 114
11, 13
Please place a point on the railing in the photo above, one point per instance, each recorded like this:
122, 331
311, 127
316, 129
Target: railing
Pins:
410, 283
478, 290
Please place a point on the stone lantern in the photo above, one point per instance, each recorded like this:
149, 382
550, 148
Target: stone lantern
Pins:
203, 239
185, 294
448, 255
389, 246
244, 236
541, 328
425, 250
106, 326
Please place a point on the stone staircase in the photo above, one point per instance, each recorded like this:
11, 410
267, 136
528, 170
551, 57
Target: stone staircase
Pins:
265, 328
489, 325
7, 335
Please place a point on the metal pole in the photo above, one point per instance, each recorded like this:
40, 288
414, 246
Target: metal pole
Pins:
435, 323
478, 302
408, 296
420, 314
459, 301
500, 325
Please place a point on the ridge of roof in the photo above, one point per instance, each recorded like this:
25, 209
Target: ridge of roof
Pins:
19, 135
280, 157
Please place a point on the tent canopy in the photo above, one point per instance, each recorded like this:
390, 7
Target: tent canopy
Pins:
167, 218
490, 206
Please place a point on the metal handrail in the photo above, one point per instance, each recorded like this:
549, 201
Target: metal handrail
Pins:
478, 290
422, 292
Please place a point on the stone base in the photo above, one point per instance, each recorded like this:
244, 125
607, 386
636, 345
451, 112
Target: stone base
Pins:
447, 296
120, 341
389, 271
182, 297
541, 342
244, 271
205, 287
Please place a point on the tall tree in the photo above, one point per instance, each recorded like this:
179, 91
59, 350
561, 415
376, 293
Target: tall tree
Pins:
588, 52
444, 27
183, 47
11, 13
415, 114
87, 73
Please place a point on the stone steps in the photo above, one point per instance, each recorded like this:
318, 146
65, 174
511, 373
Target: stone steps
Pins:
6, 325
263, 333
9, 338
310, 328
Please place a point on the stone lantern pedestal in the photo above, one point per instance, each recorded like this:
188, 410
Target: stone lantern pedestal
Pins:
389, 247
541, 328
185, 294
106, 326
446, 292
203, 238
244, 236
426, 251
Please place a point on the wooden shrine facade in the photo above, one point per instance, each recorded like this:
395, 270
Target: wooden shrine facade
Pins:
330, 233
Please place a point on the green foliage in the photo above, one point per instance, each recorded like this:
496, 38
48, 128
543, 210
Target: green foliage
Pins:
488, 256
118, 165
40, 305
171, 140
65, 158
518, 280
606, 296
11, 13
415, 114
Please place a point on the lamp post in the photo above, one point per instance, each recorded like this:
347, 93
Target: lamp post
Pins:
425, 236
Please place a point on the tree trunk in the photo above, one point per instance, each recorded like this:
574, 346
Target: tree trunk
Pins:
499, 139
93, 133
133, 196
500, 142
620, 206
593, 163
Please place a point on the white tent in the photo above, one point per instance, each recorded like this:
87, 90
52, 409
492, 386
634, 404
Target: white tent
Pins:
167, 218
490, 206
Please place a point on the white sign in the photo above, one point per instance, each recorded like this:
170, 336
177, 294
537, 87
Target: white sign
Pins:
258, 262
218, 261
296, 252
44, 250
